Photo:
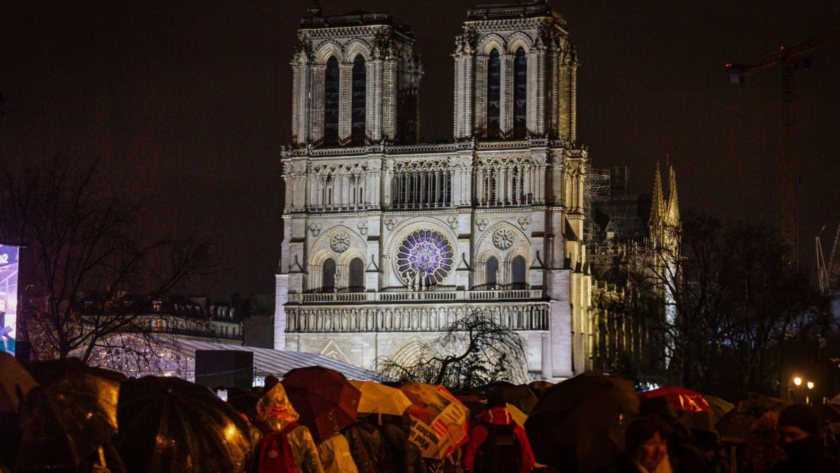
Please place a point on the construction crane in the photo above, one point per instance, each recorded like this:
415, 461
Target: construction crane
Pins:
791, 59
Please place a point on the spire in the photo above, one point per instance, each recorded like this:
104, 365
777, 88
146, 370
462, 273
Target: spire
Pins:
658, 202
315, 9
673, 212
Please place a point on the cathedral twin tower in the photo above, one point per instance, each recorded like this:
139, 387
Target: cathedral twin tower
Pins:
387, 240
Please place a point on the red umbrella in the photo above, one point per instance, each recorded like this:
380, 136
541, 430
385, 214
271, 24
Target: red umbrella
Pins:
682, 399
324, 399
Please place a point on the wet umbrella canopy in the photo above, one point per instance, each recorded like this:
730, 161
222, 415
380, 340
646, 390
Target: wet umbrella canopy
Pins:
68, 417
15, 380
324, 399
576, 422
172, 425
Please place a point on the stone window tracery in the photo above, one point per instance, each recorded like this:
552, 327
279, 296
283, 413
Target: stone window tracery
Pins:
424, 259
421, 184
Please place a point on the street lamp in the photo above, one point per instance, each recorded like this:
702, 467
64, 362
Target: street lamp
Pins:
797, 380
810, 385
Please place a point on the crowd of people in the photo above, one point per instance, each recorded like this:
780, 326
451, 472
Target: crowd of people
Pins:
70, 418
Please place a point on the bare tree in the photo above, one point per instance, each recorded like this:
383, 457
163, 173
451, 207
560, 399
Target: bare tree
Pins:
470, 352
728, 299
82, 237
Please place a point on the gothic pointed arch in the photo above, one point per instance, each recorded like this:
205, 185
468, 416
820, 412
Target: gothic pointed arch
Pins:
519, 40
356, 47
327, 49
490, 42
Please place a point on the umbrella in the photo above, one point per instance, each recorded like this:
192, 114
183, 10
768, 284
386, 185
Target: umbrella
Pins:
520, 396
717, 408
539, 387
575, 425
691, 408
324, 399
735, 426
439, 421
67, 418
682, 399
15, 383
172, 425
518, 416
379, 399
243, 401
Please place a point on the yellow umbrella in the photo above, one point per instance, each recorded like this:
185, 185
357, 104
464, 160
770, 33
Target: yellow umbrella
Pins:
518, 416
380, 399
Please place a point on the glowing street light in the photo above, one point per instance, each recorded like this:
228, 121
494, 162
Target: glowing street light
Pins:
810, 385
797, 381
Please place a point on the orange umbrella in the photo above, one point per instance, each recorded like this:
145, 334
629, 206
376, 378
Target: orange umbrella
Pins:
380, 399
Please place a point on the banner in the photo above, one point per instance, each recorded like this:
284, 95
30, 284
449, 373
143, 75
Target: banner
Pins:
8, 297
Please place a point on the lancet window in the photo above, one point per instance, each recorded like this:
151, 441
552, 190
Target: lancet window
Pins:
328, 276
331, 87
359, 100
494, 93
357, 276
491, 272
518, 272
520, 94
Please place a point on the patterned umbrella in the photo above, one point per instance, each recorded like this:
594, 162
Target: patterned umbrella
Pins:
439, 421
324, 399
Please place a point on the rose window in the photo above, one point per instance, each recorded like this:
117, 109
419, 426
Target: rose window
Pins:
425, 257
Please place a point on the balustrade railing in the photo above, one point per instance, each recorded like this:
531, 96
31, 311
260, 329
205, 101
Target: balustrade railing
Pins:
411, 296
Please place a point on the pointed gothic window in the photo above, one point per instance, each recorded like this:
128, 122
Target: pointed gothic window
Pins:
359, 100
518, 273
494, 93
331, 81
520, 94
357, 275
492, 269
328, 276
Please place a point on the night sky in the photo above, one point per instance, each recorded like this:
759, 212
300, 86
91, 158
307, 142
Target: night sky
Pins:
187, 104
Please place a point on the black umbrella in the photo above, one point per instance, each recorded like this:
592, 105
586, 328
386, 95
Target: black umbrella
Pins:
172, 425
15, 383
575, 425
67, 418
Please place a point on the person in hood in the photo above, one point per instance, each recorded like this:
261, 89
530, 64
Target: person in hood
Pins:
335, 455
286, 446
800, 435
498, 444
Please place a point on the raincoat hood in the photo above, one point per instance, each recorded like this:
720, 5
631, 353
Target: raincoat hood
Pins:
497, 416
275, 409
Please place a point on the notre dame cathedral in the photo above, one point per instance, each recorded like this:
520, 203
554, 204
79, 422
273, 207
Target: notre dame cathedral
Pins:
387, 240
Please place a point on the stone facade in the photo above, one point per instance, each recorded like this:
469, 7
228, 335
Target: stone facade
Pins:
386, 241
